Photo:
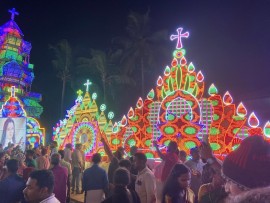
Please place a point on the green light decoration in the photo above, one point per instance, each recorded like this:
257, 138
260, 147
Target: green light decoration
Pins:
190, 130
167, 71
115, 141
215, 146
214, 131
212, 90
131, 142
235, 147
149, 155
266, 129
94, 96
102, 107
190, 144
151, 94
169, 130
110, 115
79, 93
191, 68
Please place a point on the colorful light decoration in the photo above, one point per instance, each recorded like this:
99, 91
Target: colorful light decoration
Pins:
82, 124
15, 67
253, 121
241, 110
181, 113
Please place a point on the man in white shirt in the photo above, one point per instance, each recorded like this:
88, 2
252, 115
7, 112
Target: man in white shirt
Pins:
145, 182
39, 187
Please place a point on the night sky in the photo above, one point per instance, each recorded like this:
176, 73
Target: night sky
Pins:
229, 41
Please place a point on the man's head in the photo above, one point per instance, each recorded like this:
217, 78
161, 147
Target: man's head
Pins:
12, 165
69, 146
54, 144
39, 186
62, 153
96, 158
133, 150
55, 159
30, 154
140, 161
194, 152
172, 147
44, 151
78, 146
121, 177
120, 152
125, 163
182, 156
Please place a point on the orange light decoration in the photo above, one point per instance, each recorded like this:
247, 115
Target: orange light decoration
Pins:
182, 113
241, 110
227, 98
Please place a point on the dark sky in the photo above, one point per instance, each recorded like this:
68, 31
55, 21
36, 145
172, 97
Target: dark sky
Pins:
229, 41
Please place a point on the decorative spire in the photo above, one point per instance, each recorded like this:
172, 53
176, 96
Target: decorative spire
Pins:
13, 13
79, 92
87, 84
178, 37
12, 90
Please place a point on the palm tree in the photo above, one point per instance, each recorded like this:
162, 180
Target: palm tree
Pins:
103, 65
62, 64
141, 48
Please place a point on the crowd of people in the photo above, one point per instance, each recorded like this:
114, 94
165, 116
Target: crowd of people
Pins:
48, 175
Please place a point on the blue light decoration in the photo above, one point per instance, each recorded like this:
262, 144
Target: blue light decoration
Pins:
15, 67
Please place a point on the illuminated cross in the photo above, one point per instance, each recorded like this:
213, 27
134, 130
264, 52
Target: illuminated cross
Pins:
178, 37
79, 92
87, 84
13, 13
13, 90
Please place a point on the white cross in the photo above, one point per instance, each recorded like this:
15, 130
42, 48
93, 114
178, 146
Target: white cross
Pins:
87, 84
13, 89
178, 37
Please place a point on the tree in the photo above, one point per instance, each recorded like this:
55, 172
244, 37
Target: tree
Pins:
103, 65
141, 48
62, 63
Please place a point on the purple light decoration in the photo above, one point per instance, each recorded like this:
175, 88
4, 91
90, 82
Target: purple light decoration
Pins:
179, 37
13, 13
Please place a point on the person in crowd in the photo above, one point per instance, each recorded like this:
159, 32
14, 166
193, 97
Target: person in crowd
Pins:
3, 170
125, 163
21, 160
11, 188
182, 156
1, 148
213, 192
43, 161
168, 161
8, 135
77, 168
121, 194
54, 147
195, 164
29, 161
257, 195
95, 182
61, 176
251, 159
68, 152
39, 187
145, 182
176, 188
114, 159
67, 165
133, 151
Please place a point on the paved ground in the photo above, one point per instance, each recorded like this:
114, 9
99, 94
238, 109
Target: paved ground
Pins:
77, 198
